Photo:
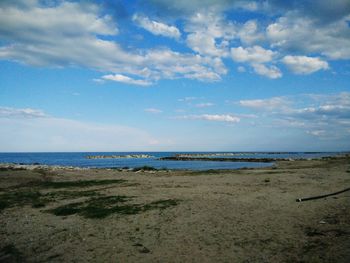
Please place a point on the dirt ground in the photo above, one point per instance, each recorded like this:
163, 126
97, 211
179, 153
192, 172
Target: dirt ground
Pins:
247, 215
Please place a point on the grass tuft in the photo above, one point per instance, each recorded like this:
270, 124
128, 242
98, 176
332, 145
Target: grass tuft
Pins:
161, 204
145, 168
21, 198
80, 183
104, 206
10, 253
67, 210
4, 169
37, 199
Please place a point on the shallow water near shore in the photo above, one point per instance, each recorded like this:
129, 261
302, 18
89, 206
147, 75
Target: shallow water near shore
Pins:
79, 159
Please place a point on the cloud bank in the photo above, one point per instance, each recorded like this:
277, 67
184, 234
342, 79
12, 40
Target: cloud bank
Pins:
33, 130
206, 36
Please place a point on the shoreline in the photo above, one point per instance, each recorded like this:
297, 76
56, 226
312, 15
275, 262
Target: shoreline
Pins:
273, 161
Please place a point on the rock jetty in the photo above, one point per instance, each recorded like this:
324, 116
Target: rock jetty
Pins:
219, 154
194, 155
260, 160
119, 156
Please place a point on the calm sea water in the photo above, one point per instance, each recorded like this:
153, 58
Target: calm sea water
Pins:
80, 160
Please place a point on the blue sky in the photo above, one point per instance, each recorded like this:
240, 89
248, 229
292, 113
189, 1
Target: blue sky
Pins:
174, 76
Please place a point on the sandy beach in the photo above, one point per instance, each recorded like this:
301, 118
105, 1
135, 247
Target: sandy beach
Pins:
246, 215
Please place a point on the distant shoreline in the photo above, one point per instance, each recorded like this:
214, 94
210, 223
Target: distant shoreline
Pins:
160, 161
38, 166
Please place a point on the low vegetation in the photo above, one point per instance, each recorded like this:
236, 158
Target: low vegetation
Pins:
37, 199
80, 183
102, 207
10, 253
90, 203
145, 168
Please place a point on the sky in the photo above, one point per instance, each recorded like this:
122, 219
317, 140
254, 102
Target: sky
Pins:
156, 75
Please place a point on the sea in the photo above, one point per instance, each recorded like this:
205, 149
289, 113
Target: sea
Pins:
78, 159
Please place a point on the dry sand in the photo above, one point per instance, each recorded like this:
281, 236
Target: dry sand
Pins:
247, 215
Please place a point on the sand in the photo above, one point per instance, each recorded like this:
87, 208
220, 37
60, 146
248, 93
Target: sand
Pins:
247, 215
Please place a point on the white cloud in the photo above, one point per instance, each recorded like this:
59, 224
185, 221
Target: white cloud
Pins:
73, 33
271, 72
209, 34
324, 111
61, 35
68, 19
316, 132
304, 64
126, 79
157, 28
204, 105
153, 110
8, 112
249, 32
275, 103
187, 99
246, 5
76, 34
171, 65
306, 35
184, 7
212, 117
320, 115
255, 54
316, 106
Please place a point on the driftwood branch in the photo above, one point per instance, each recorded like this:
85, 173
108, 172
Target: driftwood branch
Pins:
321, 196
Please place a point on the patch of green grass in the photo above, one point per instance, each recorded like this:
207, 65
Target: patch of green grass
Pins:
161, 204
145, 168
19, 198
37, 199
96, 207
11, 254
272, 172
66, 210
3, 205
80, 183
104, 206
4, 169
70, 194
210, 171
64, 184
31, 192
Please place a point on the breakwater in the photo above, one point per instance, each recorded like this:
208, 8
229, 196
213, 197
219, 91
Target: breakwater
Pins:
128, 156
260, 160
